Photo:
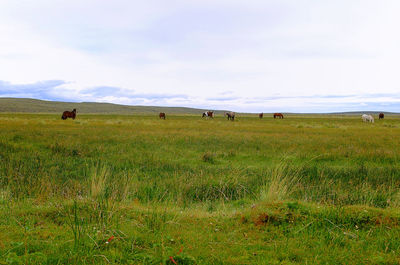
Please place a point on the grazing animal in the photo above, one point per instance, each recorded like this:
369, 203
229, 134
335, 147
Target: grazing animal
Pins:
162, 115
367, 118
261, 115
381, 116
230, 115
208, 114
279, 115
69, 114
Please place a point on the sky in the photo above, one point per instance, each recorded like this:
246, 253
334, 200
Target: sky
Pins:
240, 55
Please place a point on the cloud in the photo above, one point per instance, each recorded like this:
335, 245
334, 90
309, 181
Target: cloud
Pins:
63, 90
48, 85
42, 89
255, 55
59, 90
223, 98
101, 91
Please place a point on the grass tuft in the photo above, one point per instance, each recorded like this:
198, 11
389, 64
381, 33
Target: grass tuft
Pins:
280, 183
98, 180
208, 157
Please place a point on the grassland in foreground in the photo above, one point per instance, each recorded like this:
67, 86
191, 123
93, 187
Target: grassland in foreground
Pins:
109, 189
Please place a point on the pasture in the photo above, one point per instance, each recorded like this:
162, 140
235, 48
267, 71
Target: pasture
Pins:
122, 189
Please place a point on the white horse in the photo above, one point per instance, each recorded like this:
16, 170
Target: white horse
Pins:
367, 118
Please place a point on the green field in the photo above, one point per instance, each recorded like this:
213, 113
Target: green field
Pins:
123, 189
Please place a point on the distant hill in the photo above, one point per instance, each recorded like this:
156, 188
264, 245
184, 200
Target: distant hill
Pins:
364, 112
28, 105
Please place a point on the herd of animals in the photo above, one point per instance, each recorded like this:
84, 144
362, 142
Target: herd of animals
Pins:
229, 115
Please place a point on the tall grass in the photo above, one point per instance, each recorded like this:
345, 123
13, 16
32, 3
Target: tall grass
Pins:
98, 182
134, 190
187, 162
281, 182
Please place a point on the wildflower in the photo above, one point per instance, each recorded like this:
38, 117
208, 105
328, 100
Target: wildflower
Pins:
172, 259
109, 240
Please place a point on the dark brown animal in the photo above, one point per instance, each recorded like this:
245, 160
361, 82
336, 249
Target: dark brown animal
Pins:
279, 115
381, 116
230, 115
162, 115
69, 114
261, 115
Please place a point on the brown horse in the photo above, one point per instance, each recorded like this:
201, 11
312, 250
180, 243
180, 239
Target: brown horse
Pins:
230, 115
69, 114
261, 115
381, 116
279, 115
162, 115
208, 114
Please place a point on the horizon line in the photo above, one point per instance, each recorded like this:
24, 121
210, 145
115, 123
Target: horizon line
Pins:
221, 110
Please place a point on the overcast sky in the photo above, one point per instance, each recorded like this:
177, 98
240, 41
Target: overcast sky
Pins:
243, 55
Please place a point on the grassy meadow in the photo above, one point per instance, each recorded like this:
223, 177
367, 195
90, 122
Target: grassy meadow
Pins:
133, 189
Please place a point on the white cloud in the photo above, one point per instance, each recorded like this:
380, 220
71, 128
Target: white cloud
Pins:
202, 49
